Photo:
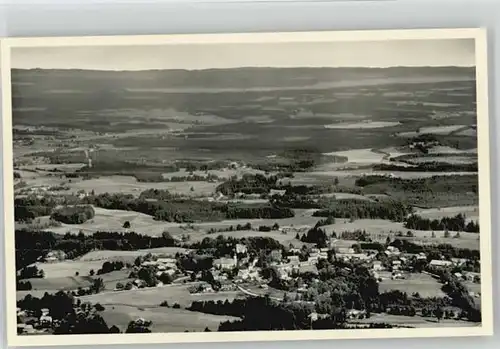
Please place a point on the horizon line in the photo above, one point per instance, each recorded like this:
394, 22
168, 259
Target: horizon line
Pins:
245, 67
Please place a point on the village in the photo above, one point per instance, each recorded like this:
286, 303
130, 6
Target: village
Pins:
243, 272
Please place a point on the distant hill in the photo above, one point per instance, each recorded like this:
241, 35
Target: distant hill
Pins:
226, 78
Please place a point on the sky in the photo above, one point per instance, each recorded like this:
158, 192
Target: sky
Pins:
449, 52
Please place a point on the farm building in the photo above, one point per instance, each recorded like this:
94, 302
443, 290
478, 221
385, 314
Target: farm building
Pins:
166, 261
377, 266
344, 250
459, 261
421, 256
45, 321
396, 265
440, 263
248, 274
315, 316
312, 260
240, 248
355, 314
225, 263
55, 256
392, 251
472, 277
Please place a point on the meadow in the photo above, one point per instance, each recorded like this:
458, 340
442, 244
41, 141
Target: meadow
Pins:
164, 320
424, 284
152, 297
414, 322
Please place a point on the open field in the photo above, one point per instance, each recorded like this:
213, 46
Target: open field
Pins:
361, 156
362, 125
130, 185
448, 159
424, 284
441, 129
33, 293
152, 297
68, 269
379, 229
413, 321
284, 239
54, 284
107, 255
450, 150
303, 218
70, 283
347, 196
112, 220
473, 287
470, 212
164, 319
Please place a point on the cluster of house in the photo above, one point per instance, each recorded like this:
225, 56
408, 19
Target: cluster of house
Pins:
55, 256
162, 265
39, 325
423, 144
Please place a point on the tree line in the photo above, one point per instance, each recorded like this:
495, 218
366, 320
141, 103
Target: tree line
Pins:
434, 184
436, 251
73, 316
248, 184
166, 208
236, 211
456, 223
434, 166
175, 210
361, 209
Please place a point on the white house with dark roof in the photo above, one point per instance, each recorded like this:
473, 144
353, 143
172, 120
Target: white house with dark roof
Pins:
240, 248
437, 263
294, 260
377, 266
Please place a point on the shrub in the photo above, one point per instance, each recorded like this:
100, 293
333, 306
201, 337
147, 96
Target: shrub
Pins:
73, 214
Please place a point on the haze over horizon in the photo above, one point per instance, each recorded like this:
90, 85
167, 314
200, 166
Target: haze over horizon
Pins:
192, 57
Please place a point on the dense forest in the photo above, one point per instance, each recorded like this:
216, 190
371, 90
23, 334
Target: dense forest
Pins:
248, 184
359, 209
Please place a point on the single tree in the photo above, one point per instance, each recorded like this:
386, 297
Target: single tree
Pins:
439, 313
97, 286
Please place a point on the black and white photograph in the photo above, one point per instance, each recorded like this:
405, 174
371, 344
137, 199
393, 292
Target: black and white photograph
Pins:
255, 184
